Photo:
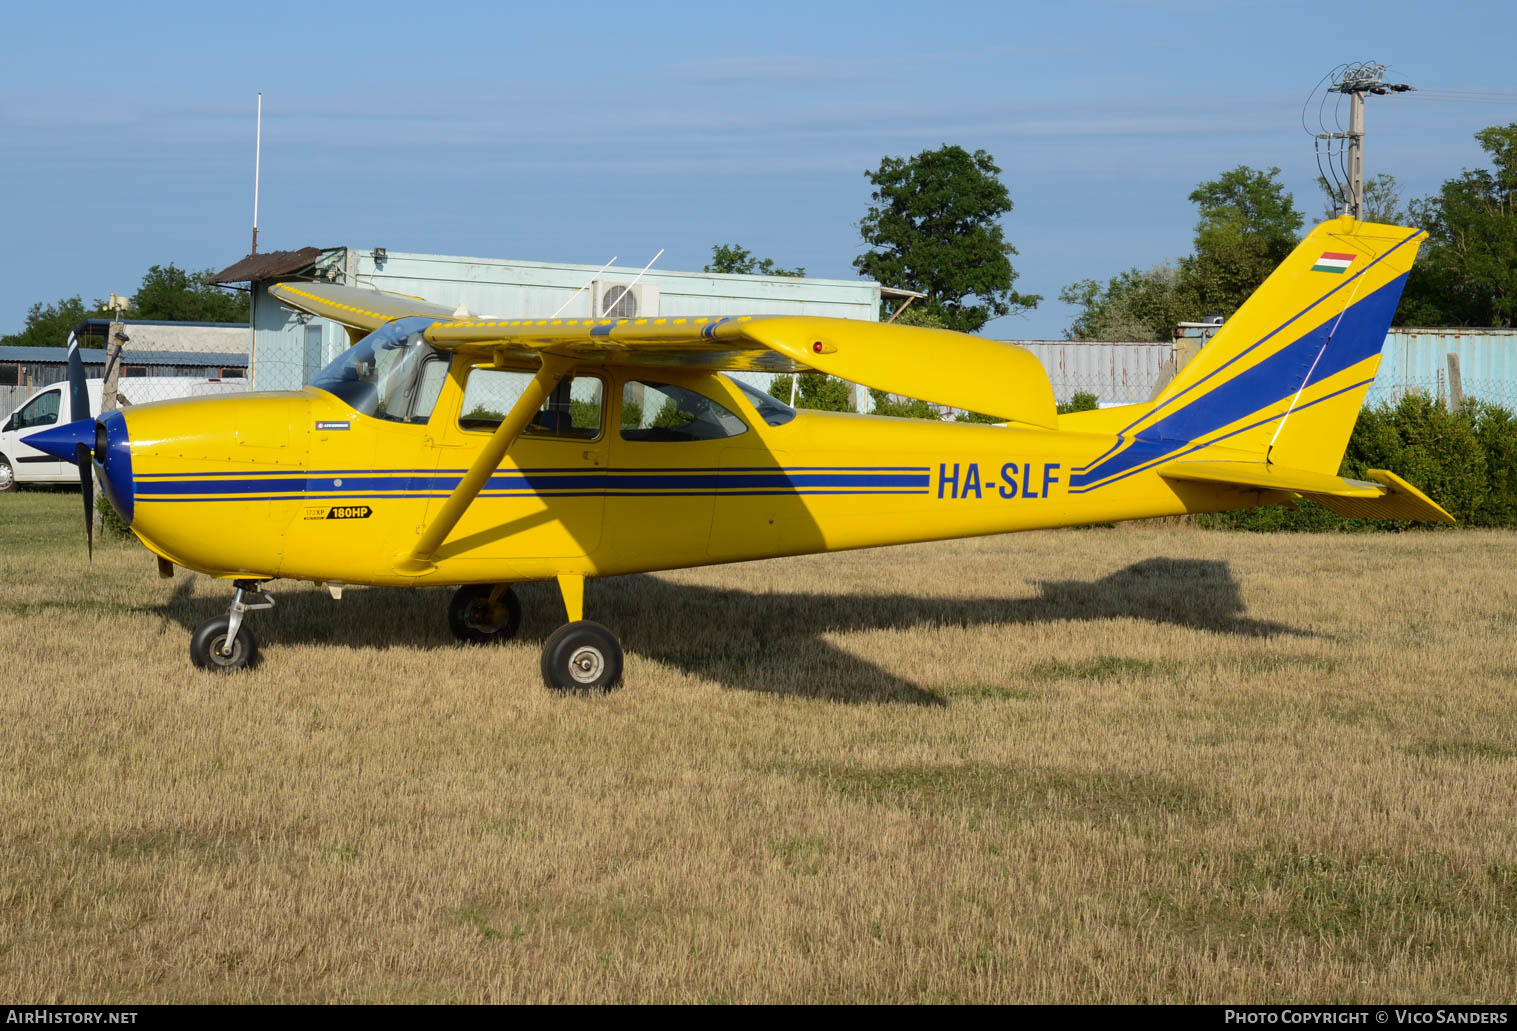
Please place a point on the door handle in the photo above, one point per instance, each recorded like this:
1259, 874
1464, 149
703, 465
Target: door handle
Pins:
593, 456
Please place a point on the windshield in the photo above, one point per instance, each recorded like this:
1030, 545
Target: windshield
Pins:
390, 374
772, 410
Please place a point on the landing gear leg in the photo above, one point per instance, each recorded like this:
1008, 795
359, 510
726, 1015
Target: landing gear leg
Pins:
223, 644
580, 655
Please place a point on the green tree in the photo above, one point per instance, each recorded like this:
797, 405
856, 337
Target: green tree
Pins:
1249, 225
167, 293
1382, 200
171, 294
731, 259
1466, 274
934, 227
48, 325
1133, 305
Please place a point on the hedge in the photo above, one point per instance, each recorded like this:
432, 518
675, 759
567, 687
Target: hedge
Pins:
1466, 460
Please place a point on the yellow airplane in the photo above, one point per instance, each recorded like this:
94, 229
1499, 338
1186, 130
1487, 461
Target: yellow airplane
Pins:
483, 452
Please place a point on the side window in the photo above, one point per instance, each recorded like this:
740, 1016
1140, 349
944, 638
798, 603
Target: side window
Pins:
664, 412
428, 387
573, 410
43, 411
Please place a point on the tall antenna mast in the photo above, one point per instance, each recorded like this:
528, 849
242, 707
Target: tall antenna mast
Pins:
257, 159
1356, 80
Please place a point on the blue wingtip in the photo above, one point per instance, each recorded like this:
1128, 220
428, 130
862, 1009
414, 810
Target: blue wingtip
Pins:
59, 441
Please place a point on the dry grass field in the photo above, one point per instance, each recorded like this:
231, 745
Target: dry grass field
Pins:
1144, 764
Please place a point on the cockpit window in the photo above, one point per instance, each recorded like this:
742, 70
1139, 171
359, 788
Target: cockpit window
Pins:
392, 373
664, 412
771, 409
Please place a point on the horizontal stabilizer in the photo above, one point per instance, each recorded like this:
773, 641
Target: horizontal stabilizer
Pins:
1388, 497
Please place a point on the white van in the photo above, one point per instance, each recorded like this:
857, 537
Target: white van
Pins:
49, 406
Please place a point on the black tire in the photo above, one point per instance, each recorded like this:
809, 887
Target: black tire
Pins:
582, 656
7, 475
472, 618
209, 638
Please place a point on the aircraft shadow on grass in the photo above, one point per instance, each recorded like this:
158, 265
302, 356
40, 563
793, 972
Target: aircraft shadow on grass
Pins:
769, 642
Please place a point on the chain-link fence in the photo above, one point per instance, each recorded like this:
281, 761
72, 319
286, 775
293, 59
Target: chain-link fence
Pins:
1490, 390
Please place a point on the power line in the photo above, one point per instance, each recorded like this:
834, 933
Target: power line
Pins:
1354, 81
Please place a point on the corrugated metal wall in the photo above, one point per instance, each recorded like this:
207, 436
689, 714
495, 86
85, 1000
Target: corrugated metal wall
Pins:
1416, 359
1117, 373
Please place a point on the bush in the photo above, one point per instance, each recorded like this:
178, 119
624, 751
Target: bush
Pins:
1083, 401
1464, 460
901, 408
815, 391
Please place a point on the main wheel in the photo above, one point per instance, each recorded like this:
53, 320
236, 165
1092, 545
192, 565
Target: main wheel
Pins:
7, 475
473, 618
208, 646
582, 656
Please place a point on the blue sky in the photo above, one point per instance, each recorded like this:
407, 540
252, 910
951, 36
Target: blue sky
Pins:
575, 132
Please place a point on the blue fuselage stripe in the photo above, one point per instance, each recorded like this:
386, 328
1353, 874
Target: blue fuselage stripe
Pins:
617, 483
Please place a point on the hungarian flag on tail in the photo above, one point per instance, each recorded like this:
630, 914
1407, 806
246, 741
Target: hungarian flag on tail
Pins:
1333, 261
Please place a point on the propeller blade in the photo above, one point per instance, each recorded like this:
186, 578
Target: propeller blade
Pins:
87, 488
79, 396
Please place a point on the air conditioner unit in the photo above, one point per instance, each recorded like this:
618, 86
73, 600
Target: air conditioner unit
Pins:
623, 299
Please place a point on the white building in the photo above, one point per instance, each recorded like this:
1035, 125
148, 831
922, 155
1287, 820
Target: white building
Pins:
289, 348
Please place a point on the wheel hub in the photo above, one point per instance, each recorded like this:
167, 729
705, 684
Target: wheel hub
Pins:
586, 664
226, 652
6, 475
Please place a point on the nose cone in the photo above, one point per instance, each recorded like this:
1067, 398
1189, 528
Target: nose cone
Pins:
113, 462
60, 441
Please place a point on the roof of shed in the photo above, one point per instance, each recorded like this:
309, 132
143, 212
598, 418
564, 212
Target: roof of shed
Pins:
271, 265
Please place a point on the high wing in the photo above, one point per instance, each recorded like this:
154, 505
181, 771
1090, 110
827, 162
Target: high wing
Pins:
356, 308
936, 365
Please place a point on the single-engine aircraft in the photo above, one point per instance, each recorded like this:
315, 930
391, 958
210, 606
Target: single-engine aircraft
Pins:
480, 452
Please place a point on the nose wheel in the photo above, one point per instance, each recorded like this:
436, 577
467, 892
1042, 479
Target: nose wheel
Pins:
582, 656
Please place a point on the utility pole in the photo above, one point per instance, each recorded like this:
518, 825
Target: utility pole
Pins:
117, 331
1356, 80
117, 337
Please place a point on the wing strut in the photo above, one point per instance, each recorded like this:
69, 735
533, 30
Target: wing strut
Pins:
419, 559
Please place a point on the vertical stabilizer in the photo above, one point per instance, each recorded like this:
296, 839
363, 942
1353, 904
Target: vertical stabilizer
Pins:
1286, 376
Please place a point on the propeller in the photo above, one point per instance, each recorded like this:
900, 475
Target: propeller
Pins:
79, 408
87, 488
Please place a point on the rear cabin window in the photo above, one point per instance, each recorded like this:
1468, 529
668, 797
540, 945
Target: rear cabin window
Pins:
663, 412
573, 410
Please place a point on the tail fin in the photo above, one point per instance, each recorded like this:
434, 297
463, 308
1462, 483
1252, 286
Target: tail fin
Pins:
1286, 376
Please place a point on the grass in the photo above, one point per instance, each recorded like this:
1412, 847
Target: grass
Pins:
1146, 764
